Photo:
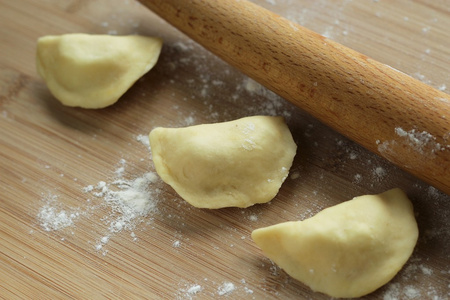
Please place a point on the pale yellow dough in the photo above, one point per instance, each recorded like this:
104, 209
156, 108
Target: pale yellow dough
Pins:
94, 71
348, 250
230, 164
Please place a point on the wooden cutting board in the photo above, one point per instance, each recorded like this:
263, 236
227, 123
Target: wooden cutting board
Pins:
60, 237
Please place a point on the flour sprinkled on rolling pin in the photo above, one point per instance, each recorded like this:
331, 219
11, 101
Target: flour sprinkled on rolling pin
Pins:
363, 99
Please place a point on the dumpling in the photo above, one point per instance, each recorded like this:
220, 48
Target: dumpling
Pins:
94, 71
230, 164
347, 250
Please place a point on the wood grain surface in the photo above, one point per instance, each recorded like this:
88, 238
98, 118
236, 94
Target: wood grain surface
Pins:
50, 155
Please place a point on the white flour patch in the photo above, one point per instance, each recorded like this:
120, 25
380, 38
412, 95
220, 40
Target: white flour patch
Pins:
226, 288
253, 218
357, 178
379, 173
52, 217
419, 140
194, 289
211, 290
397, 291
189, 291
143, 139
416, 140
128, 202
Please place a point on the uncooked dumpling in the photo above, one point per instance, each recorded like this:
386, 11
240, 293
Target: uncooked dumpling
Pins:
94, 71
348, 250
237, 163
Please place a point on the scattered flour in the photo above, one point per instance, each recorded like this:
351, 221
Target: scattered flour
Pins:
357, 178
194, 289
397, 292
189, 292
380, 172
189, 121
52, 218
131, 198
129, 201
246, 289
416, 271
271, 2
411, 292
226, 288
353, 155
419, 140
442, 87
393, 292
433, 192
253, 218
143, 139
252, 86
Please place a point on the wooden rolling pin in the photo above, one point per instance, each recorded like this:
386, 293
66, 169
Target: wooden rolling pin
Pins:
384, 110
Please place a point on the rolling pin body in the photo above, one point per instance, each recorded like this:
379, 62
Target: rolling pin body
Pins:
384, 110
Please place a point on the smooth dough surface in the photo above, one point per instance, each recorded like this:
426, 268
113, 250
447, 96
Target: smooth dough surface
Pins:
348, 250
230, 164
94, 71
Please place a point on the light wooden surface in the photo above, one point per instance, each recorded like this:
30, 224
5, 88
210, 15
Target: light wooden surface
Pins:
50, 153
